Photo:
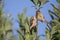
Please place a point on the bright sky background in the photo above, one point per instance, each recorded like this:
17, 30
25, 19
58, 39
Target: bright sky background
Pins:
16, 6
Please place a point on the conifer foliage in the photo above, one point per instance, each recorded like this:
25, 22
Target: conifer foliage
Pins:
54, 32
5, 25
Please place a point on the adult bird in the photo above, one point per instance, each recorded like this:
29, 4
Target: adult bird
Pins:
40, 17
33, 22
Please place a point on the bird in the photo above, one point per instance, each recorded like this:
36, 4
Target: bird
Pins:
33, 22
40, 17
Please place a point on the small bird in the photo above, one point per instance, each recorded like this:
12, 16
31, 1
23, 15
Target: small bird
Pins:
40, 17
33, 22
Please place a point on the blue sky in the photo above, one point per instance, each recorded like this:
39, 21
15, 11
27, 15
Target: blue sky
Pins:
16, 6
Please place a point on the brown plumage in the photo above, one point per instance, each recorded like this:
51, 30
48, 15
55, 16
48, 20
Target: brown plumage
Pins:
33, 22
40, 17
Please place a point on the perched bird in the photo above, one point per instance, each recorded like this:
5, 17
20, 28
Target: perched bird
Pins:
33, 22
40, 17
